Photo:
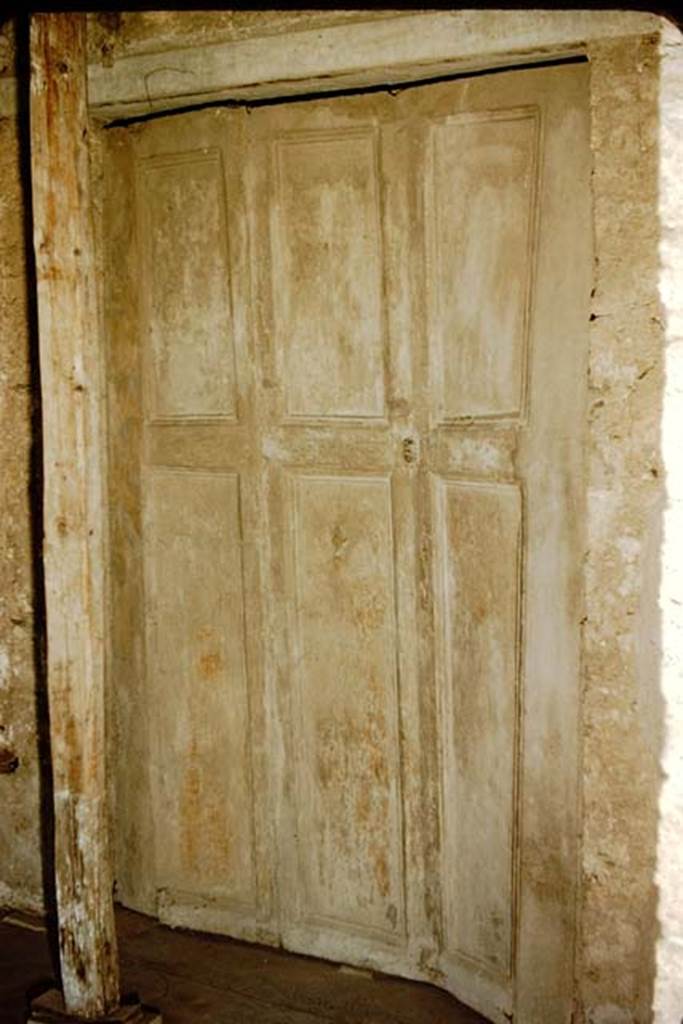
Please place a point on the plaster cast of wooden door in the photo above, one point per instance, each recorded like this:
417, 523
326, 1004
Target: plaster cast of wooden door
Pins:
354, 469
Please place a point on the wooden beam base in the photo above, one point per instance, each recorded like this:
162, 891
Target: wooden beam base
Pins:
49, 1009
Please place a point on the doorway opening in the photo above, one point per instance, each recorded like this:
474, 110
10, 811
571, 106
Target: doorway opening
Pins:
346, 364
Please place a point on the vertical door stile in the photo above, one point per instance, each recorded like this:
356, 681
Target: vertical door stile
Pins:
261, 172
403, 454
239, 190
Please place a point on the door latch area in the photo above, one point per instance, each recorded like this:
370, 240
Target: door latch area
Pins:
410, 449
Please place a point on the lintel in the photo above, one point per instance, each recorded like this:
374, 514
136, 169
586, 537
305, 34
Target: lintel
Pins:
406, 47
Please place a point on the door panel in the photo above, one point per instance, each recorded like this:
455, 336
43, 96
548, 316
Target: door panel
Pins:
190, 346
340, 597
481, 197
198, 673
361, 324
328, 322
183, 455
478, 548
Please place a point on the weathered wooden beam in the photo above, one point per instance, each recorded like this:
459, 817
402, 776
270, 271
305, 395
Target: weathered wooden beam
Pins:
73, 511
356, 54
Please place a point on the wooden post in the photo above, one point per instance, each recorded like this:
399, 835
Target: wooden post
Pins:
73, 522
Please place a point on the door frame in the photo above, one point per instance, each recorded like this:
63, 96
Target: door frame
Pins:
401, 49
341, 57
365, 53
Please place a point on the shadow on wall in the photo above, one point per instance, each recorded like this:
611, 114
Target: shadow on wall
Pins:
36, 506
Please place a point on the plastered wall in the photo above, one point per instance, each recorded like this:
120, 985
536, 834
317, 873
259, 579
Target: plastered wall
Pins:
624, 721
112, 35
621, 712
20, 847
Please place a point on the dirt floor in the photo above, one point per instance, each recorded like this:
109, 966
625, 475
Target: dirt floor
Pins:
200, 979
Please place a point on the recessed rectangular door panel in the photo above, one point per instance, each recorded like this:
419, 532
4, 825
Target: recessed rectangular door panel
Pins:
478, 600
197, 666
481, 215
343, 634
327, 274
190, 363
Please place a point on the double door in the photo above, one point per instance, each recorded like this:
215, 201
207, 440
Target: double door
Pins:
346, 344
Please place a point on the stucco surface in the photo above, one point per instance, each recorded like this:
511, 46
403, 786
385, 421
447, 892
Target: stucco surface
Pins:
621, 712
116, 34
7, 48
20, 859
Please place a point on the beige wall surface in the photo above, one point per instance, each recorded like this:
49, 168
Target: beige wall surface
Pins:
20, 859
625, 721
621, 707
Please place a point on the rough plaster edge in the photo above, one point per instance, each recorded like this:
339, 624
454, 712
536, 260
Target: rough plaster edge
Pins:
668, 996
352, 54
